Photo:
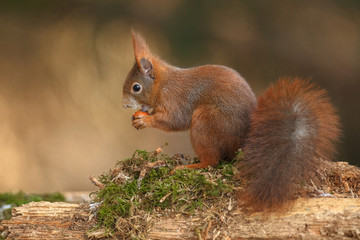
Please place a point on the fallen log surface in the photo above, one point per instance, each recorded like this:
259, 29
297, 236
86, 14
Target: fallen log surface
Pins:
311, 218
47, 220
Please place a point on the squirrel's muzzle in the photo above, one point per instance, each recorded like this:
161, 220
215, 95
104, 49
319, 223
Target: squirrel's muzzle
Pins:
129, 102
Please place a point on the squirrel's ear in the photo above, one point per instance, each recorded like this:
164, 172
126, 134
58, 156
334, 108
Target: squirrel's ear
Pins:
146, 68
141, 50
142, 55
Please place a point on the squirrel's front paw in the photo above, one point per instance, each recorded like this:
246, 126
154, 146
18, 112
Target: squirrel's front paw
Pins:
141, 121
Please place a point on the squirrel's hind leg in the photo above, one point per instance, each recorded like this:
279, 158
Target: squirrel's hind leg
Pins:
206, 137
207, 158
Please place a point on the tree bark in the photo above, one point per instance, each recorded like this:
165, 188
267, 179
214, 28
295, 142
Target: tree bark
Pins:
312, 218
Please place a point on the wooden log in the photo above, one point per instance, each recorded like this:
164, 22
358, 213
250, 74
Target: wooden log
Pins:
312, 218
47, 220
316, 218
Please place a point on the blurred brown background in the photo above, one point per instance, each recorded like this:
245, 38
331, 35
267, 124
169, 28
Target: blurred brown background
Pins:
62, 65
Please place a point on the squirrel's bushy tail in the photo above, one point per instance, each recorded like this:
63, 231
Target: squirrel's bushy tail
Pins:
293, 129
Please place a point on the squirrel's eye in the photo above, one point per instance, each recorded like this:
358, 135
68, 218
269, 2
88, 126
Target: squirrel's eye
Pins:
136, 87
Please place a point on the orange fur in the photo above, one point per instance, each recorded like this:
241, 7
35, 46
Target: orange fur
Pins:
292, 129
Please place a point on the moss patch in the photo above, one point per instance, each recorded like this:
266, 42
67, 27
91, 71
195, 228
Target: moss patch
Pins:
145, 186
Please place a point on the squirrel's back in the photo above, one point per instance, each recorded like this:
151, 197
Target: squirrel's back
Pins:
293, 129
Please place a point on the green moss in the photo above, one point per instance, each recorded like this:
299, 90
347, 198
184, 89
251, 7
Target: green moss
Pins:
127, 195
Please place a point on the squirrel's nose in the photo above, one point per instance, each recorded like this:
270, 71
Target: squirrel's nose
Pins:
126, 103
129, 103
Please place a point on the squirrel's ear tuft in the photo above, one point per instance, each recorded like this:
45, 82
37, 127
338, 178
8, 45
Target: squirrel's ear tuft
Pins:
141, 50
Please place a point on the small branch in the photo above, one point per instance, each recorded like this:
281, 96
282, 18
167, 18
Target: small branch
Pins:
96, 182
207, 230
165, 197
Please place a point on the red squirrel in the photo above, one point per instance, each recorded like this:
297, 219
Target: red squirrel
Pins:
284, 134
